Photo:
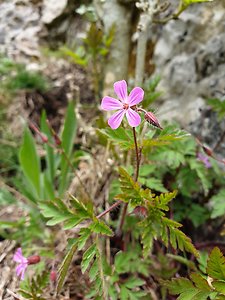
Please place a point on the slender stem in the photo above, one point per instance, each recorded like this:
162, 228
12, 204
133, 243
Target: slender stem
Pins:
124, 212
109, 209
104, 289
137, 155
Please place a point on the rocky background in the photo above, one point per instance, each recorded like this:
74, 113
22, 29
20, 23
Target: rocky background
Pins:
189, 55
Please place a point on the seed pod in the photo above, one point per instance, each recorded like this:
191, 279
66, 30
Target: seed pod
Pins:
151, 118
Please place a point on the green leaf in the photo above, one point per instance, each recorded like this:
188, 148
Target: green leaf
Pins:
218, 204
120, 136
162, 201
189, 2
216, 264
84, 236
50, 157
94, 270
88, 256
156, 184
177, 238
84, 210
56, 210
100, 227
63, 270
68, 135
30, 162
131, 190
178, 285
219, 286
134, 282
218, 106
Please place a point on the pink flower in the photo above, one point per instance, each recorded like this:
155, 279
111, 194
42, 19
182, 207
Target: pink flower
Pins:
123, 105
204, 159
24, 262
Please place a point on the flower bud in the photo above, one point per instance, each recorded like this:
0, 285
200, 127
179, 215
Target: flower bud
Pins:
53, 276
33, 260
207, 151
140, 211
57, 139
151, 118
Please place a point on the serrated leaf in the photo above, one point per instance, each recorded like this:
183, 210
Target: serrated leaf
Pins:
54, 210
156, 184
218, 204
84, 210
119, 136
200, 282
88, 255
216, 264
72, 222
100, 227
93, 270
134, 282
63, 270
219, 286
177, 238
178, 285
131, 189
84, 236
162, 201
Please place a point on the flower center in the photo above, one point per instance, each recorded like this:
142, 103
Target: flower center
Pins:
125, 106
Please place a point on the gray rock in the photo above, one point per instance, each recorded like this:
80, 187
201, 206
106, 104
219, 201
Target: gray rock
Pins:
52, 9
190, 57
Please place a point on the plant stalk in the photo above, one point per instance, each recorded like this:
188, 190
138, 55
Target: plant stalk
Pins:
137, 165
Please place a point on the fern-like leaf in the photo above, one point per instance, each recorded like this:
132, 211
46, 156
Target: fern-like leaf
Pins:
216, 264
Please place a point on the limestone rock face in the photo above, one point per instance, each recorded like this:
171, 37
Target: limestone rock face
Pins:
190, 57
52, 9
26, 23
19, 28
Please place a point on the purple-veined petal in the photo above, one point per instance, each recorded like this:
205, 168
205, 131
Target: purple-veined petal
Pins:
136, 96
20, 268
116, 119
18, 256
109, 103
23, 273
133, 118
120, 88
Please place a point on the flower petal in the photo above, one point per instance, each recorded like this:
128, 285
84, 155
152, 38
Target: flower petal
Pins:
109, 103
23, 272
136, 96
20, 270
18, 256
133, 118
116, 119
120, 88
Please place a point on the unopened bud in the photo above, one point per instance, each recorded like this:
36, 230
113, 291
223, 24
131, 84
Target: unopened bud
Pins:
53, 276
140, 211
33, 260
151, 118
44, 138
57, 139
207, 151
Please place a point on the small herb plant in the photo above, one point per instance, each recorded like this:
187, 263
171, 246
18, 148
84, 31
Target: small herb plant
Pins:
145, 204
